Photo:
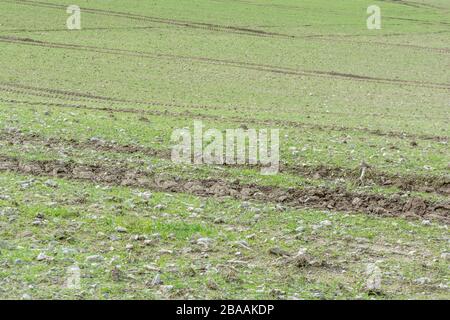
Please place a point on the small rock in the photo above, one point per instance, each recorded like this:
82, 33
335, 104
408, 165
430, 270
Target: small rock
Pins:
325, 223
442, 286
96, 140
362, 240
300, 229
245, 205
166, 288
426, 222
51, 183
113, 237
95, 258
373, 282
69, 251
219, 221
121, 229
204, 241
151, 267
356, 202
243, 244
302, 259
445, 255
40, 215
26, 296
156, 280
279, 252
145, 195
150, 242
43, 257
422, 281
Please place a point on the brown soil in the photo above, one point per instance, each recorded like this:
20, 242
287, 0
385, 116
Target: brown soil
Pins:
314, 197
429, 184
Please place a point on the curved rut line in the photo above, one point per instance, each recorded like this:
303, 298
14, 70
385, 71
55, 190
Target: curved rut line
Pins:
420, 183
58, 94
414, 4
67, 30
324, 37
231, 63
403, 45
281, 123
189, 24
175, 22
315, 197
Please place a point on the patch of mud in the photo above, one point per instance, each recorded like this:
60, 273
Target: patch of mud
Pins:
419, 183
428, 184
314, 197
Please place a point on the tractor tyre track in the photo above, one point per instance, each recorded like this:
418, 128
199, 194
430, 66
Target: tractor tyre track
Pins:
314, 197
420, 183
173, 22
281, 123
231, 63
79, 96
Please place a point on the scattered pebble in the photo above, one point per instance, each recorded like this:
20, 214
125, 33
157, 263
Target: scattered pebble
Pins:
373, 282
325, 223
166, 288
26, 296
151, 267
95, 258
445, 255
43, 257
422, 281
145, 195
51, 183
121, 229
300, 229
204, 241
219, 221
156, 280
279, 252
159, 207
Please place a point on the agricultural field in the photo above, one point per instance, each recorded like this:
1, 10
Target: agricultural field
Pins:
92, 205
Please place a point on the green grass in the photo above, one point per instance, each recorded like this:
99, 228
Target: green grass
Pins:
399, 124
90, 227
